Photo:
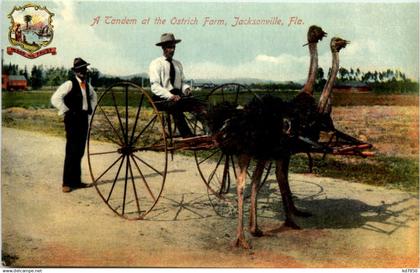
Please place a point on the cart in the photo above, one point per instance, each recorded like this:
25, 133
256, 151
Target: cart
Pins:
130, 143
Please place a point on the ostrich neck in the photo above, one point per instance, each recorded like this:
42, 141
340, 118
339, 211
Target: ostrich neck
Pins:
313, 67
326, 92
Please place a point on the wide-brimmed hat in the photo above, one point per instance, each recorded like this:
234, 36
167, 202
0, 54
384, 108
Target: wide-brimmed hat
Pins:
79, 63
168, 39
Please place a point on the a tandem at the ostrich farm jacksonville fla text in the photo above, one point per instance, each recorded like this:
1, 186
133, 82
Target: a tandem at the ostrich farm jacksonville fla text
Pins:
206, 21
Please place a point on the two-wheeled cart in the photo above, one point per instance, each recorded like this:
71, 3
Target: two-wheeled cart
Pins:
130, 143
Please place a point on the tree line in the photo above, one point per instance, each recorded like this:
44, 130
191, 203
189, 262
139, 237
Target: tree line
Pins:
41, 76
379, 81
387, 81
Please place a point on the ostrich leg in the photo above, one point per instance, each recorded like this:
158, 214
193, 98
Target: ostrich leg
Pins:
256, 179
243, 163
282, 172
285, 168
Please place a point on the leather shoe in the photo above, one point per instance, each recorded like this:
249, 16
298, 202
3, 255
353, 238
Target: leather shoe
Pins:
66, 189
82, 185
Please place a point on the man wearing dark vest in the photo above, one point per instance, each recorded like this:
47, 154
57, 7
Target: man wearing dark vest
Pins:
170, 90
75, 99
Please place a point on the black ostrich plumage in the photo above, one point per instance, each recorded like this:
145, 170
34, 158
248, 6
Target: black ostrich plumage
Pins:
257, 130
267, 127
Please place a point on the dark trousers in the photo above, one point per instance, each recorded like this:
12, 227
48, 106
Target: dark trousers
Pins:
76, 125
177, 109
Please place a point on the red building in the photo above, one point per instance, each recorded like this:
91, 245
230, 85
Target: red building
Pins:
13, 82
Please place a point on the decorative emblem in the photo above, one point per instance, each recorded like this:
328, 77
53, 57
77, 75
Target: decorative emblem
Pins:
31, 29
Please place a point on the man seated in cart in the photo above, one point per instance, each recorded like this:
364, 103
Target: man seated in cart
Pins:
171, 93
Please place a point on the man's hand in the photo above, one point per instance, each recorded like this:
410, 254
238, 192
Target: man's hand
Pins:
175, 98
187, 91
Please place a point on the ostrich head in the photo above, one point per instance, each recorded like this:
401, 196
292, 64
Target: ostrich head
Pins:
337, 44
315, 34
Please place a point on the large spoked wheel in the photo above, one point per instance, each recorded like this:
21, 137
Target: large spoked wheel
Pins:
217, 169
127, 150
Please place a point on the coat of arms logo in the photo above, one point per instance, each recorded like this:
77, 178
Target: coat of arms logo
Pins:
31, 29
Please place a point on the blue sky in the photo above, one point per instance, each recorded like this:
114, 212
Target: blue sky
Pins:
383, 35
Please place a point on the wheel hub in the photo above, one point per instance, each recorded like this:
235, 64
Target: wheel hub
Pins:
126, 150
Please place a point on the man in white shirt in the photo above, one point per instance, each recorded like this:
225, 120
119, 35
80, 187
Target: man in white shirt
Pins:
171, 93
75, 99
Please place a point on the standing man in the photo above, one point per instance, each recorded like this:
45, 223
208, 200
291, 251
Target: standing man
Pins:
168, 85
75, 99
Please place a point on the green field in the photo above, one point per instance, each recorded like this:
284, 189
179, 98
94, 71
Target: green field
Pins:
40, 99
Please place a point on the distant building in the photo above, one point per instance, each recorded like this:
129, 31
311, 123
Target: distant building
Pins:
13, 82
355, 87
4, 80
202, 85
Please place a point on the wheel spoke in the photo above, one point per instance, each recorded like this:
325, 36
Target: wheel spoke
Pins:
127, 164
137, 118
223, 94
113, 128
135, 190
126, 115
148, 165
144, 179
115, 162
115, 179
212, 154
224, 188
215, 169
104, 153
118, 114
268, 172
145, 127
237, 94
233, 166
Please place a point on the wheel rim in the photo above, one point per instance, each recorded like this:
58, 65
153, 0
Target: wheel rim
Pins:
127, 151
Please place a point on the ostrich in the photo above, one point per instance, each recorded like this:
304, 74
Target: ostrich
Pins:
245, 135
325, 101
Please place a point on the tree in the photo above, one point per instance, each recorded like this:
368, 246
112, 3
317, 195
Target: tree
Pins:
319, 81
37, 77
94, 75
54, 76
27, 19
343, 74
358, 74
25, 73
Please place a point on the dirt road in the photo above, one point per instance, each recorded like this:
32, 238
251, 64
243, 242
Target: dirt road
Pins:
354, 225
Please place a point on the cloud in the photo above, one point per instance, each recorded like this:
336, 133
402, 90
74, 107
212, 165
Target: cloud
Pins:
74, 39
283, 59
284, 67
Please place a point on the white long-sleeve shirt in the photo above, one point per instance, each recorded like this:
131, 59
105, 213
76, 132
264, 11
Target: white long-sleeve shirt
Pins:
57, 99
159, 73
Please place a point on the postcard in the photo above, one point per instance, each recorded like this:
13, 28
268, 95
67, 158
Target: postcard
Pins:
210, 134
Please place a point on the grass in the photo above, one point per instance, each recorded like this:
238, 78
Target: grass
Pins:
393, 130
41, 98
388, 171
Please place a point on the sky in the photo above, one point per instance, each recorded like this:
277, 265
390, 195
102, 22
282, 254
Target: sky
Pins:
383, 35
